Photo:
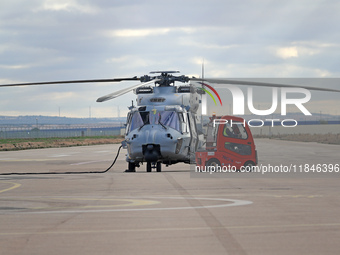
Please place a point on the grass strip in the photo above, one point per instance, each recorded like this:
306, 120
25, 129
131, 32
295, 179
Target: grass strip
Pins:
40, 143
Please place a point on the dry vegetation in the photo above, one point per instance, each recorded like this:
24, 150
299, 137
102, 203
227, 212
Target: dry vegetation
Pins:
319, 138
39, 143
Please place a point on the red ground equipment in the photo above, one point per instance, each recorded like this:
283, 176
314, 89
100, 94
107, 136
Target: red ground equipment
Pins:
229, 142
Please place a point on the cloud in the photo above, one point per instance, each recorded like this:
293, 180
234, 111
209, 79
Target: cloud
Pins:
44, 40
304, 48
146, 32
14, 66
138, 32
287, 52
66, 5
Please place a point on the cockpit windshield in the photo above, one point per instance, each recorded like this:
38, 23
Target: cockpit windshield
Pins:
155, 117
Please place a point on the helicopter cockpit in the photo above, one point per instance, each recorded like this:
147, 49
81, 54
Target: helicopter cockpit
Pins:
163, 117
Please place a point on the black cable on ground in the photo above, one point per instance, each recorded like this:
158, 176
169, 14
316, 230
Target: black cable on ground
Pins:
88, 172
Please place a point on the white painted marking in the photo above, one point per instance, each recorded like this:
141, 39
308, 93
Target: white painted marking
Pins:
103, 151
88, 162
232, 202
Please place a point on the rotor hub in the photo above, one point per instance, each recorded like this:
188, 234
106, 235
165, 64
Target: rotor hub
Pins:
165, 78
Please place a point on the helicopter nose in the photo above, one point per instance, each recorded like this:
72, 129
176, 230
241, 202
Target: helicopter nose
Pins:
151, 152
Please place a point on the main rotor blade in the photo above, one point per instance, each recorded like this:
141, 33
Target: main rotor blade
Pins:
123, 91
71, 81
263, 84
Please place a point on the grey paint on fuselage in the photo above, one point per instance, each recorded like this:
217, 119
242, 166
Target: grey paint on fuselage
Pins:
164, 119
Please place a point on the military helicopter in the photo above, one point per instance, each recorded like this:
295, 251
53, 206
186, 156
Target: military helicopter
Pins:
162, 127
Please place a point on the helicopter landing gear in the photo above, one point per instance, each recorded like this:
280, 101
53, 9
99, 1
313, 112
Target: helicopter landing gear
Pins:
150, 165
159, 167
131, 167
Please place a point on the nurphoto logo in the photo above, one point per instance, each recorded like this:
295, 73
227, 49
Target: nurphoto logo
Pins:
239, 104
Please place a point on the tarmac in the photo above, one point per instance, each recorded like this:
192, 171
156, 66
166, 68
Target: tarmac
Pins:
172, 212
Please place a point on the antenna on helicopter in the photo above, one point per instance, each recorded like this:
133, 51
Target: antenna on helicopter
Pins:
132, 106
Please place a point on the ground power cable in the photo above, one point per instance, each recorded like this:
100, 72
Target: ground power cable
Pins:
78, 172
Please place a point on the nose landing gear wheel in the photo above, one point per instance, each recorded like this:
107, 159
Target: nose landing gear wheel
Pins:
150, 165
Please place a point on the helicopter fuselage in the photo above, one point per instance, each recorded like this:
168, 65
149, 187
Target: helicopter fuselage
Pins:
162, 127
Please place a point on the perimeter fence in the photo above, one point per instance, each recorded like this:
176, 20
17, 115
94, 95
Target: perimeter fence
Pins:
59, 131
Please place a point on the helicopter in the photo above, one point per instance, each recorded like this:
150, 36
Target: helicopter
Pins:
163, 127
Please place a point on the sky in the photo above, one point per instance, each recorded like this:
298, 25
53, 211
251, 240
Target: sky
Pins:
48, 40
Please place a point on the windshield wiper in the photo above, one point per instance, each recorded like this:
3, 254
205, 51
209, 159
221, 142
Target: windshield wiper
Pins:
159, 121
145, 122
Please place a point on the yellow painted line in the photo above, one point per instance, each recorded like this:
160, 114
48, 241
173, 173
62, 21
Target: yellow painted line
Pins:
15, 185
167, 229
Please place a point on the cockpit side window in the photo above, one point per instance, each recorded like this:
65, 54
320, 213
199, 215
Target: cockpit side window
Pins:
128, 121
136, 121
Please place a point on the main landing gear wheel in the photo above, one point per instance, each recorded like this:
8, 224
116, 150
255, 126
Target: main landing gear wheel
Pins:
148, 166
159, 167
131, 167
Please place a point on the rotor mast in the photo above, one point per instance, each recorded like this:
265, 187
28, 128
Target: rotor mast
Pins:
165, 78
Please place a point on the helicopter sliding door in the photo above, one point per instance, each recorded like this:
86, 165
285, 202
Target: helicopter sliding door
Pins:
193, 134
